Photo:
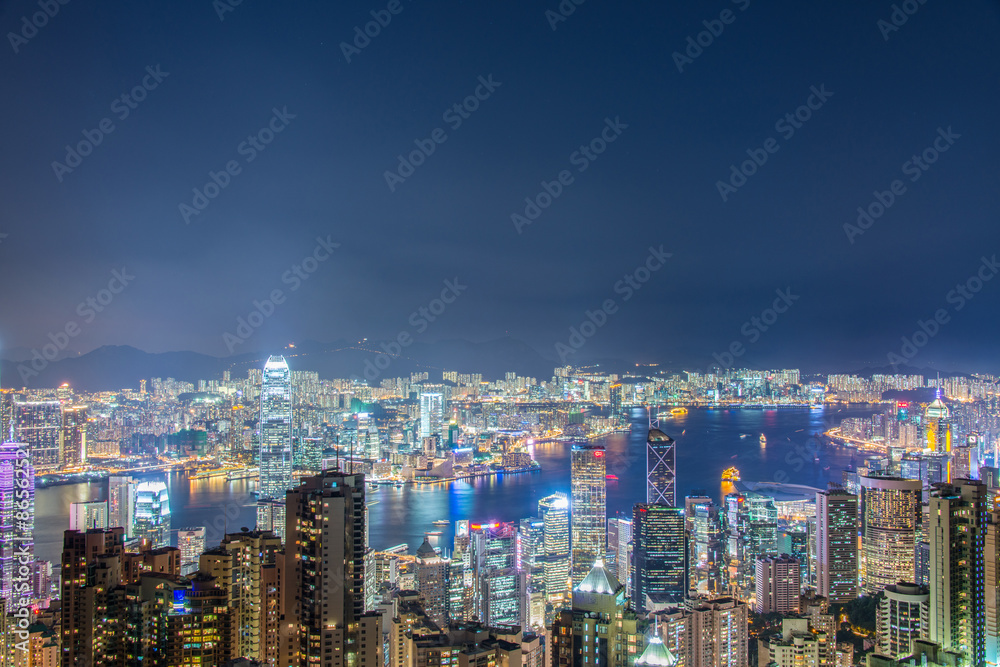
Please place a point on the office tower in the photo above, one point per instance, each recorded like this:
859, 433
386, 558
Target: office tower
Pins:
619, 561
91, 514
937, 429
615, 403
659, 555
275, 430
191, 542
271, 515
957, 534
902, 617
73, 437
706, 563
152, 514
837, 545
17, 526
325, 545
778, 582
500, 588
432, 582
38, 424
90, 567
707, 633
661, 469
461, 577
890, 517
600, 628
554, 511
431, 411
121, 503
246, 567
587, 510
752, 532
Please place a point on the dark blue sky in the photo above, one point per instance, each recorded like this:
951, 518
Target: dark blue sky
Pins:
656, 184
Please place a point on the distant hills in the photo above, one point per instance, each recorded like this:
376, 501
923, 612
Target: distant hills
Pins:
122, 366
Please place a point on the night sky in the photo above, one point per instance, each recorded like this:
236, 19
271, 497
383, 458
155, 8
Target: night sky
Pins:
669, 137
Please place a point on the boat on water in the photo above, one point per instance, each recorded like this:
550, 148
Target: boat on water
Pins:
399, 485
763, 440
433, 533
613, 478
441, 522
678, 411
731, 474
743, 436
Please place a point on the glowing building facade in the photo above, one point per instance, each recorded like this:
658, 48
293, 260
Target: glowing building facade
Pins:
17, 526
588, 513
152, 514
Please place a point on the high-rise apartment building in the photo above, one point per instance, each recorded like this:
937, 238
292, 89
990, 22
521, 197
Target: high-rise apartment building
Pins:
619, 561
325, 544
90, 567
73, 438
902, 618
890, 518
588, 513
38, 424
659, 554
661, 469
191, 542
246, 566
957, 536
837, 545
778, 581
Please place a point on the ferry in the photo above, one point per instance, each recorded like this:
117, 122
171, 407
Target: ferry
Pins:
678, 411
743, 436
433, 533
763, 440
731, 475
441, 522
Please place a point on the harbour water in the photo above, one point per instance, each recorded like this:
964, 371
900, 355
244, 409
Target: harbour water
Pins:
708, 442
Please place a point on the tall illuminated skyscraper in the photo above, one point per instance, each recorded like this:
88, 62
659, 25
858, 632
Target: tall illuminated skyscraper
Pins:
191, 542
661, 469
88, 515
890, 517
431, 411
588, 513
957, 535
275, 439
554, 512
937, 425
17, 525
152, 514
837, 545
615, 403
659, 554
121, 503
38, 424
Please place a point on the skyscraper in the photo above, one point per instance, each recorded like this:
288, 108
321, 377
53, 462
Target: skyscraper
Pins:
587, 510
890, 516
432, 583
431, 411
325, 544
554, 511
17, 525
837, 545
121, 503
152, 514
661, 469
957, 534
88, 515
38, 424
615, 403
619, 562
275, 430
659, 554
937, 420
